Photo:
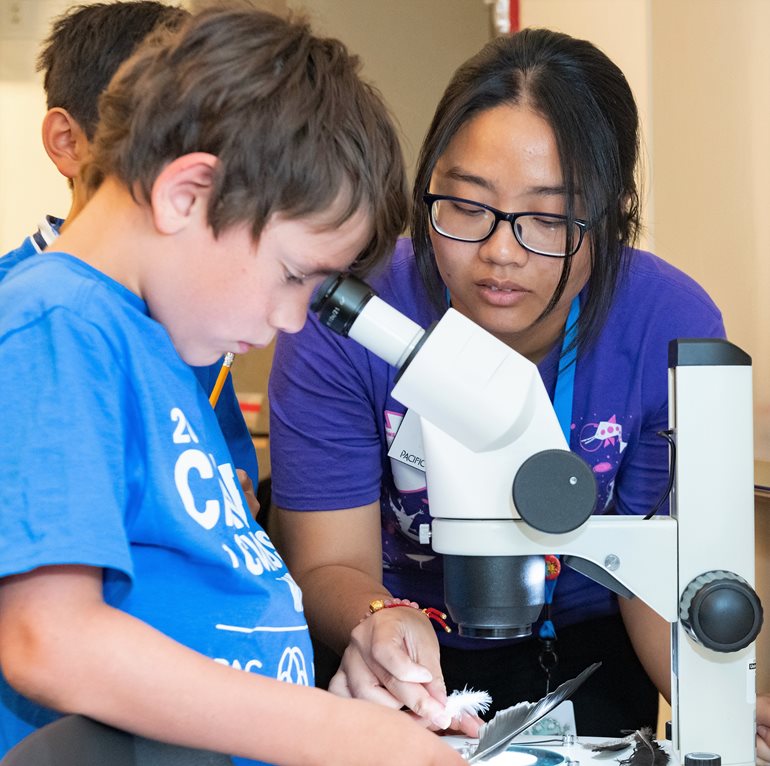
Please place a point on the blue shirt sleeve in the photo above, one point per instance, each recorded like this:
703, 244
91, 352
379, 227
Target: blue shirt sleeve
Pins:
62, 494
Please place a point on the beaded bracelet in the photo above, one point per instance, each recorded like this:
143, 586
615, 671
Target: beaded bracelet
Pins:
389, 603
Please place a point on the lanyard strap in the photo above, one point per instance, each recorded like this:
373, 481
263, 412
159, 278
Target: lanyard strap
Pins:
562, 404
46, 232
565, 378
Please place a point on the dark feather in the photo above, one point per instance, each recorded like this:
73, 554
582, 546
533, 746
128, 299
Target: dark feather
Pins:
495, 735
613, 745
647, 751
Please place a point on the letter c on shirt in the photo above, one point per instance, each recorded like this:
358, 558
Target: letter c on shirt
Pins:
195, 460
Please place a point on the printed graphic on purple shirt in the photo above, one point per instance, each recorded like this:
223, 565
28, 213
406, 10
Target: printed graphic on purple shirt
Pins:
404, 509
600, 443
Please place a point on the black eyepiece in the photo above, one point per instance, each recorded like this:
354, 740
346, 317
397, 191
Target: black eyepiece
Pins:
339, 300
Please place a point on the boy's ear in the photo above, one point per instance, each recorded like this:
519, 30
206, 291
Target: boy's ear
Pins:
181, 192
65, 141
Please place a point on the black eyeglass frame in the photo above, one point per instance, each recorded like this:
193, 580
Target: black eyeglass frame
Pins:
583, 226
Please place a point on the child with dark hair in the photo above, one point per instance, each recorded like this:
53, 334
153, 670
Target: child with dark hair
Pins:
83, 51
238, 163
86, 46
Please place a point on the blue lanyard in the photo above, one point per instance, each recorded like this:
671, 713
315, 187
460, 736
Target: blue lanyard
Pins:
562, 404
565, 378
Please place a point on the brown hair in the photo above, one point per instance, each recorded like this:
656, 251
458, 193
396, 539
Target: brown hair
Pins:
86, 46
285, 112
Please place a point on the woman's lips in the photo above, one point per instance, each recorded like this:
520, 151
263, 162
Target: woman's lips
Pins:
501, 293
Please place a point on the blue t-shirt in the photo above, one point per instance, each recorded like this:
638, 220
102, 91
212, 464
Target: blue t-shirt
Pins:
111, 457
14, 257
227, 410
333, 419
45, 234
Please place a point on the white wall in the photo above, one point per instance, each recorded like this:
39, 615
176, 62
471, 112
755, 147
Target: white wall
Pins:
700, 70
410, 48
30, 186
711, 74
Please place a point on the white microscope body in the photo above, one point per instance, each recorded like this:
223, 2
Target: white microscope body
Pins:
488, 426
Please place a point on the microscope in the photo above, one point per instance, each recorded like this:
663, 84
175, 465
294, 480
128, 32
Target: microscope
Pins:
505, 491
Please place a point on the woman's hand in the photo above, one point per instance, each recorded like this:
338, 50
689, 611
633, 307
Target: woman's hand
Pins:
393, 659
390, 657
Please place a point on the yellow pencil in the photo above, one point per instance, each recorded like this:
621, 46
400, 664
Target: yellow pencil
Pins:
221, 378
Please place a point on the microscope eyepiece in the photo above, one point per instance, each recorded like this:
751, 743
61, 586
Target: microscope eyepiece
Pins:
339, 301
351, 308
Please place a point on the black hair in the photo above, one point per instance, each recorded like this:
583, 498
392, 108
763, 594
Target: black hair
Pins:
588, 103
86, 46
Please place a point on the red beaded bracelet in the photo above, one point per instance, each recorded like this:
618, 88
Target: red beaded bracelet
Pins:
389, 603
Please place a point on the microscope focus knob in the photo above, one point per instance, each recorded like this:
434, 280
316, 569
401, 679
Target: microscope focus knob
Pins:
554, 491
721, 611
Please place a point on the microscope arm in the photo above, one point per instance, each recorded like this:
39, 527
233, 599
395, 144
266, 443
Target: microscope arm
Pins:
629, 555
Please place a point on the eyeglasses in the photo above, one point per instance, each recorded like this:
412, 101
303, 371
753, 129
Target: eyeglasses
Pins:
464, 220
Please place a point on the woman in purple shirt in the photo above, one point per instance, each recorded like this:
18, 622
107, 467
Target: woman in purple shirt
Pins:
525, 209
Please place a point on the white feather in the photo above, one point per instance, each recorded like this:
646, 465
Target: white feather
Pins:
467, 701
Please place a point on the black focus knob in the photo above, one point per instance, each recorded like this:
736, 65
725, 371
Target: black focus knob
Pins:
721, 611
554, 491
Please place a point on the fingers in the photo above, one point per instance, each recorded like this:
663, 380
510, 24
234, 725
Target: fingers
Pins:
419, 701
405, 657
763, 745
355, 678
384, 664
403, 642
339, 684
763, 730
467, 724
401, 677
400, 664
247, 485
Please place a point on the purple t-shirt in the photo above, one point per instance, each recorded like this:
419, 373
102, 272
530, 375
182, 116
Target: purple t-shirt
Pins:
333, 418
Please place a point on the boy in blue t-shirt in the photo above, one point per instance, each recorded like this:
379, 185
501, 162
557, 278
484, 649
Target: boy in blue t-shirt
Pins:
86, 46
236, 163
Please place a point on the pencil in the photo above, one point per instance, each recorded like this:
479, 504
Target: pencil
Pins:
221, 378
